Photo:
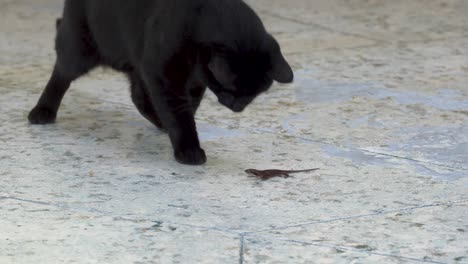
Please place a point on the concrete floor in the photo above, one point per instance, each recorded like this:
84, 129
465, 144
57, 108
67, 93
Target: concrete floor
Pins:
380, 104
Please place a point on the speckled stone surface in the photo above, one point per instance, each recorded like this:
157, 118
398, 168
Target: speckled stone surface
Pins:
380, 104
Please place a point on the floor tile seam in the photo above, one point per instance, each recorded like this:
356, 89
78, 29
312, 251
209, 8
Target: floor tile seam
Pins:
318, 25
378, 41
225, 232
340, 146
241, 248
409, 210
345, 248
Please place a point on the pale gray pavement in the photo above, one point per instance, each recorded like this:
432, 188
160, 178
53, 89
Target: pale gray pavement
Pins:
380, 104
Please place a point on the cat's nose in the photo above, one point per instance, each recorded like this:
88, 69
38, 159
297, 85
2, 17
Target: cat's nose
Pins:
238, 109
238, 106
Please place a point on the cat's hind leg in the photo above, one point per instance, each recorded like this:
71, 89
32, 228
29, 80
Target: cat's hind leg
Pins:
76, 55
142, 100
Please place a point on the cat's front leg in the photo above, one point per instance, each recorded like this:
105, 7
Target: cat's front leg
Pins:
184, 138
197, 92
176, 113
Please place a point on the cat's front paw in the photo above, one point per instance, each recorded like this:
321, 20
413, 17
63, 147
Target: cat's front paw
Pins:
42, 116
191, 156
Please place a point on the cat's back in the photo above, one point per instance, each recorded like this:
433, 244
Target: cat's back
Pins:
122, 17
114, 27
113, 18
119, 28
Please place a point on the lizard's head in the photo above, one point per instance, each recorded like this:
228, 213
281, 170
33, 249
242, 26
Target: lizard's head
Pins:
251, 172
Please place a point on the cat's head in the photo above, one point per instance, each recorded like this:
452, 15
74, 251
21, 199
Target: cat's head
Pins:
238, 75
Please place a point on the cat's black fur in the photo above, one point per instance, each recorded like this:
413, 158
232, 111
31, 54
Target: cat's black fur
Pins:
171, 51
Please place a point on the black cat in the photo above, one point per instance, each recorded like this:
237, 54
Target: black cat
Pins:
171, 50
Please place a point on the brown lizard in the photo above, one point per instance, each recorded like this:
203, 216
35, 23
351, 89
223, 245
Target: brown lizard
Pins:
268, 174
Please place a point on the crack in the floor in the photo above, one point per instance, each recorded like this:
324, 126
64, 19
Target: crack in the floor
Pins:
378, 42
329, 29
242, 235
302, 53
344, 248
382, 212
412, 159
241, 249
340, 146
118, 217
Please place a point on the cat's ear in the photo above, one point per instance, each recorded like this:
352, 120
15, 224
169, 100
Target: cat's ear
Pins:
220, 69
280, 69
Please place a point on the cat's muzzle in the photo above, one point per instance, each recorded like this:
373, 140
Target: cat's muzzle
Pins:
235, 104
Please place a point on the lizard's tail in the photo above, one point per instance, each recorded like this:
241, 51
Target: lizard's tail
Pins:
309, 170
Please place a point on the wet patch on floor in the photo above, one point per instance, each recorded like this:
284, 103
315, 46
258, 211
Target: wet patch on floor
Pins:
320, 91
